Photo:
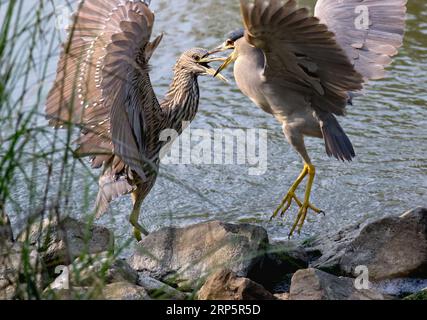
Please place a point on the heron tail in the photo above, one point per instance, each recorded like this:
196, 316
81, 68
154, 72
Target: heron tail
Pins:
337, 143
110, 188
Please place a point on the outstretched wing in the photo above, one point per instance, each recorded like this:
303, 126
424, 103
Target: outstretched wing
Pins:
102, 81
301, 53
370, 31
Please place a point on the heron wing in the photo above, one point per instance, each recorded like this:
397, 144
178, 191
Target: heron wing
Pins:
301, 53
103, 83
370, 31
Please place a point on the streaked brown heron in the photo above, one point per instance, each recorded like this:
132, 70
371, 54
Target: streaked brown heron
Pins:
305, 69
103, 86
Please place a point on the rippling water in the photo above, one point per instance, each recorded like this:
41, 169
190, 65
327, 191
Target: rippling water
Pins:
388, 127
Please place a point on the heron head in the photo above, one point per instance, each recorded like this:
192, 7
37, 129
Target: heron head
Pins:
197, 61
229, 44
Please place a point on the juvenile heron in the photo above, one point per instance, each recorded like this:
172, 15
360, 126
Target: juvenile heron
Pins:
103, 86
304, 70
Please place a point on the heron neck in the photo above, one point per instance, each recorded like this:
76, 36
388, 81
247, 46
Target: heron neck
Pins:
182, 100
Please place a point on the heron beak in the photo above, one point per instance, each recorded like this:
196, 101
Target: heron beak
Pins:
223, 47
211, 71
231, 58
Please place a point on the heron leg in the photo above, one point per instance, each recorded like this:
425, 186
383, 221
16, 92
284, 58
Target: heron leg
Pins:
306, 205
287, 200
310, 171
138, 229
293, 130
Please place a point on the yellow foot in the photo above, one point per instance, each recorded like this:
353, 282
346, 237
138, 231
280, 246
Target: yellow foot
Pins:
302, 215
137, 234
285, 205
287, 202
310, 171
138, 230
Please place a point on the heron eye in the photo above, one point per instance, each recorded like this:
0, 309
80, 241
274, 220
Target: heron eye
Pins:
196, 58
230, 42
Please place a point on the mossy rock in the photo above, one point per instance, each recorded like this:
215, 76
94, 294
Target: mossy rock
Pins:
418, 296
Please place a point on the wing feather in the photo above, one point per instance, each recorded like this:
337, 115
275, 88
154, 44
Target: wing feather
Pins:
301, 53
101, 67
369, 43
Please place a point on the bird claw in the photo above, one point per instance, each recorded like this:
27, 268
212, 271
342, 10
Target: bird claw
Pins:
302, 214
285, 205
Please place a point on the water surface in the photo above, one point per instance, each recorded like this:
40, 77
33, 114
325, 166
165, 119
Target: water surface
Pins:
388, 128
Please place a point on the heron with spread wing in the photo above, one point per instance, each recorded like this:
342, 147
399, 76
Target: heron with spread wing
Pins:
304, 70
103, 86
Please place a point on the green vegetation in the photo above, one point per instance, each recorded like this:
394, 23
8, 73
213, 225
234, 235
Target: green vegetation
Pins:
32, 153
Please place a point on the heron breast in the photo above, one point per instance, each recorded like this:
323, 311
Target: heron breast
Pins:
249, 78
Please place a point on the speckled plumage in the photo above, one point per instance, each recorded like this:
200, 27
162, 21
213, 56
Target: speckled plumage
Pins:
103, 86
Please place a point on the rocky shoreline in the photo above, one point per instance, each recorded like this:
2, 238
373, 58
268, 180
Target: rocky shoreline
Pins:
217, 260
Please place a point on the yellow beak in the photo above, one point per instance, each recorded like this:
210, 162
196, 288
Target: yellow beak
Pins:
231, 58
210, 71
223, 47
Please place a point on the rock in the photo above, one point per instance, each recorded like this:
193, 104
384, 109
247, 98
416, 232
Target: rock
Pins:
7, 292
94, 270
63, 242
282, 296
121, 271
6, 233
392, 247
159, 290
73, 293
280, 261
124, 291
15, 282
183, 256
312, 284
113, 291
400, 287
226, 285
422, 295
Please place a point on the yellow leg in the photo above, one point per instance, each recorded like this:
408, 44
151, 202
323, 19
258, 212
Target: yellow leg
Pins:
310, 171
302, 214
138, 229
287, 200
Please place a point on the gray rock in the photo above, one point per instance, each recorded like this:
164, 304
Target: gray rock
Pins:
7, 292
73, 293
92, 270
6, 233
226, 285
280, 261
124, 291
422, 295
159, 290
312, 284
282, 296
183, 256
391, 247
13, 278
113, 291
63, 242
87, 279
400, 287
